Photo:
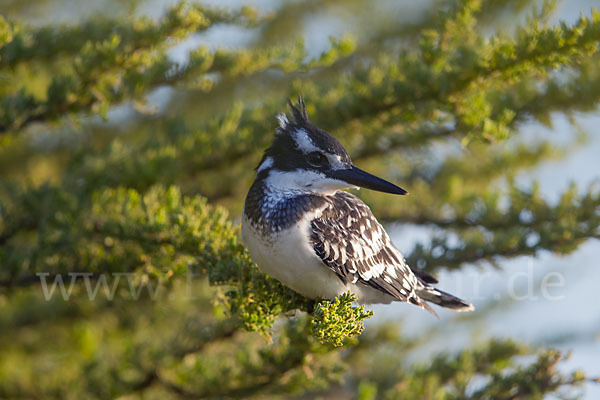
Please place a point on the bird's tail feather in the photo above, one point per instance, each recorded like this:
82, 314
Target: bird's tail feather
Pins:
443, 299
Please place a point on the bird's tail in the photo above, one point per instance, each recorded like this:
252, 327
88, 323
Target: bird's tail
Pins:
443, 299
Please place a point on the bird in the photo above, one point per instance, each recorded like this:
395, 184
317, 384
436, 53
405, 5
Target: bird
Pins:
302, 228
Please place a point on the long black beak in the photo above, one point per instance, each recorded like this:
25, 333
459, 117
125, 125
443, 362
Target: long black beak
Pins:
358, 177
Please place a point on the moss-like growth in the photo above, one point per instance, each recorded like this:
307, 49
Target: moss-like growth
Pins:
338, 320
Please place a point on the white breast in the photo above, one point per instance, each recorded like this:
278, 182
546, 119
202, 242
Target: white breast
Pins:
288, 256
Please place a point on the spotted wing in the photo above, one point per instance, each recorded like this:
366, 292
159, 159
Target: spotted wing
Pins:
350, 241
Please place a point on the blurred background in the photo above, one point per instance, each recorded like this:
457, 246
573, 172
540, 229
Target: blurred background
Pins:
129, 134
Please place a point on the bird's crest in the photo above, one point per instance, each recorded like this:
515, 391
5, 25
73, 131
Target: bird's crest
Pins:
299, 110
299, 114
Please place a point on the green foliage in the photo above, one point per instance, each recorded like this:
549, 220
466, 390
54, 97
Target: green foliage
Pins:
335, 321
152, 191
6, 32
158, 235
106, 63
109, 63
527, 224
482, 373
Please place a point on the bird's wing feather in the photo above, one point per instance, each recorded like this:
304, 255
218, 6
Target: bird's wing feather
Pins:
350, 241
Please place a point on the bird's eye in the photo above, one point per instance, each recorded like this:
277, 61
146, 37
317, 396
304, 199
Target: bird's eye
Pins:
317, 159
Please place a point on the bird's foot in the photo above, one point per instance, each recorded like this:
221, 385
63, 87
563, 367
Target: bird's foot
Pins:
310, 307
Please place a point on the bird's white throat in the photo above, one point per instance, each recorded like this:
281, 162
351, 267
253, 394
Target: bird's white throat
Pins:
302, 180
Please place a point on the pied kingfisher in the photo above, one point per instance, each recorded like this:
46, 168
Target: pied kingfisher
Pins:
302, 230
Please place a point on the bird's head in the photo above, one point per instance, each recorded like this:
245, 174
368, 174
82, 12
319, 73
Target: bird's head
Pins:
306, 158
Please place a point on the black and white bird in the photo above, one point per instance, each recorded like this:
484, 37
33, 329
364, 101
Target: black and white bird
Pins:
302, 229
